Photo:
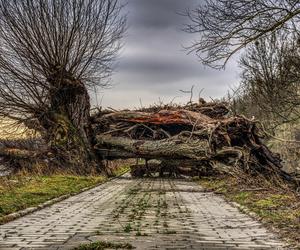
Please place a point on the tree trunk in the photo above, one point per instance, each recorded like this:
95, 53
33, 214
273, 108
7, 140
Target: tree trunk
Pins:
67, 123
174, 148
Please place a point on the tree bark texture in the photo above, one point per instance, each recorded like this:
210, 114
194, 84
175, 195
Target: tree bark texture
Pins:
67, 122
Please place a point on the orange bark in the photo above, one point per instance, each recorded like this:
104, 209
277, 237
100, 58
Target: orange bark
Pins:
163, 117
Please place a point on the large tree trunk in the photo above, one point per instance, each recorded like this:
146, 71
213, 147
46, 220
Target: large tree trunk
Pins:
67, 123
174, 148
181, 134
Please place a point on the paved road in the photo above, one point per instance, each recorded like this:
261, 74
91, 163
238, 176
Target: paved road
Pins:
148, 213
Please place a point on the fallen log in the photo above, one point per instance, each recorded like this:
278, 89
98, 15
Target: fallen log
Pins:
174, 149
212, 109
162, 124
186, 133
195, 152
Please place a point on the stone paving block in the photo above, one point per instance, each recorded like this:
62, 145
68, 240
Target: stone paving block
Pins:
148, 213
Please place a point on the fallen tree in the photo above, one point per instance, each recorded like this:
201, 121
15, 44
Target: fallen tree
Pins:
201, 134
194, 139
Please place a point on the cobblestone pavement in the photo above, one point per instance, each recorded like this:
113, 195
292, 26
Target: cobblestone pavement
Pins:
148, 213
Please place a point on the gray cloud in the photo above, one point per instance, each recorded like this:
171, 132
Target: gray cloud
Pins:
162, 69
153, 63
157, 14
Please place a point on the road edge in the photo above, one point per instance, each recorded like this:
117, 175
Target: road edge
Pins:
16, 215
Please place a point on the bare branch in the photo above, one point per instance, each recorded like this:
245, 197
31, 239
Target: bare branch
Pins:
225, 27
79, 38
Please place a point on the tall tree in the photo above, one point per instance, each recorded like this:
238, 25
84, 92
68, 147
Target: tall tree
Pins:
51, 53
226, 26
270, 78
269, 88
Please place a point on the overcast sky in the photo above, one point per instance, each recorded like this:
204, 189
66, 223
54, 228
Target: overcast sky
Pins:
153, 64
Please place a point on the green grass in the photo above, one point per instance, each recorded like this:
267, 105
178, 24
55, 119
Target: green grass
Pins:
277, 207
127, 228
101, 245
20, 192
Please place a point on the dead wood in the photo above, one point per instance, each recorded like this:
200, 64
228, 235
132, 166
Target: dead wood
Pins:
200, 134
211, 109
192, 140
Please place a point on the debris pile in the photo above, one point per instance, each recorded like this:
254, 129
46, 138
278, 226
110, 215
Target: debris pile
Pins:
192, 139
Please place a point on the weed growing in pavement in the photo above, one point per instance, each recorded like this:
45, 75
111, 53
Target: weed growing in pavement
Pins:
140, 234
127, 228
101, 245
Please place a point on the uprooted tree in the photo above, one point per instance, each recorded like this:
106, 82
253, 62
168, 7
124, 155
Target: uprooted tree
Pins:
191, 139
52, 52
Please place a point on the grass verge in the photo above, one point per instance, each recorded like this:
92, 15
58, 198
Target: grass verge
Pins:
22, 191
277, 207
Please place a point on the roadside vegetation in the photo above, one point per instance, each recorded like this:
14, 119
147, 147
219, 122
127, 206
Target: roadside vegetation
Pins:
24, 190
278, 207
20, 192
101, 245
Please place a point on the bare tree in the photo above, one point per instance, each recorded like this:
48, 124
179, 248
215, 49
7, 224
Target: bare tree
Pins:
270, 80
226, 26
51, 53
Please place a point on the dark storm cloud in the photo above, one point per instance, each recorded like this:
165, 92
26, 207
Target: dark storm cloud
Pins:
157, 14
153, 63
163, 69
